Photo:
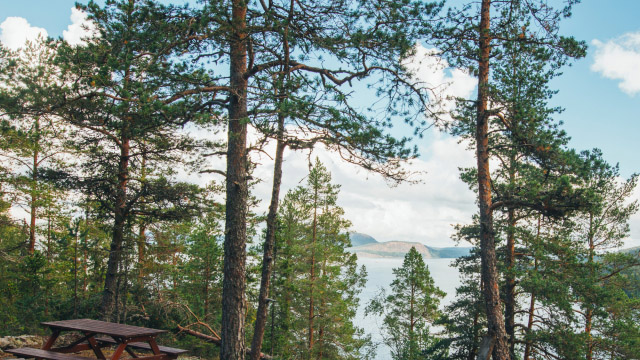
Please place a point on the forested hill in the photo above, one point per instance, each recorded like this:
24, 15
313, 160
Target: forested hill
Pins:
632, 250
367, 246
358, 239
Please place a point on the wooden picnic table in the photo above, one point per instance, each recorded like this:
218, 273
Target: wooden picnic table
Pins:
124, 337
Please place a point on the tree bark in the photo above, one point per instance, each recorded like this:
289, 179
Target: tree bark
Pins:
495, 320
142, 241
110, 281
142, 237
267, 259
233, 284
532, 304
510, 285
34, 190
312, 270
589, 310
532, 309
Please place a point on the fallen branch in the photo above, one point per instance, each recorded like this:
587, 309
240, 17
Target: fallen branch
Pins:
215, 340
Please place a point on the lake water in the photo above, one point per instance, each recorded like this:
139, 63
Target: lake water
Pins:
380, 275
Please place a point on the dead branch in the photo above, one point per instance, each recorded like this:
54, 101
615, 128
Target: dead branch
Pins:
215, 340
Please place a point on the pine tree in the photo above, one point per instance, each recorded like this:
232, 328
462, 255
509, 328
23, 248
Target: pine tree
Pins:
362, 39
601, 229
472, 38
409, 309
318, 281
127, 95
31, 140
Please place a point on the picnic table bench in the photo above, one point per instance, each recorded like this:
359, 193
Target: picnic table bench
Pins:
124, 337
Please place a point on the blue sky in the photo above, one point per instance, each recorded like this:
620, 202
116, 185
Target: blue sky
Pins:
598, 114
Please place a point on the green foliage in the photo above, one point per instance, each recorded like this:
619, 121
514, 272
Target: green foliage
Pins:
409, 309
316, 282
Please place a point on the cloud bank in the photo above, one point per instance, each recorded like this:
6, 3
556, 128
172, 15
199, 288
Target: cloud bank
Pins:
423, 212
619, 59
16, 31
446, 83
79, 29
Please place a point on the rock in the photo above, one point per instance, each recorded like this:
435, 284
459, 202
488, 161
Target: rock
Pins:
14, 342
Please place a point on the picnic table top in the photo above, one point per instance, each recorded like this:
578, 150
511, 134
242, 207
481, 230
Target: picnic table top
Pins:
103, 327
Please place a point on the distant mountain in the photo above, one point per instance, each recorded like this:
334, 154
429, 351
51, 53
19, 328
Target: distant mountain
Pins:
451, 252
390, 249
358, 239
366, 246
634, 250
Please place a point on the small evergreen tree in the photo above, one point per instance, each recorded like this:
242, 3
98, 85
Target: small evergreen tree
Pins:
317, 281
409, 309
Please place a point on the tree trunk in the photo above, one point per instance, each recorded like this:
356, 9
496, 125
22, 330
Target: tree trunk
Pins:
532, 304
142, 240
110, 281
475, 342
589, 309
323, 305
233, 284
34, 196
85, 248
75, 272
532, 309
495, 321
205, 291
267, 259
510, 286
142, 237
312, 269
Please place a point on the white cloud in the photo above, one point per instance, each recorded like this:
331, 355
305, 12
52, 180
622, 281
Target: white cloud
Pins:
619, 59
634, 223
16, 31
79, 29
446, 83
422, 212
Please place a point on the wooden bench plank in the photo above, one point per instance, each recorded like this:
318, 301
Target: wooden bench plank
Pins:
140, 345
43, 354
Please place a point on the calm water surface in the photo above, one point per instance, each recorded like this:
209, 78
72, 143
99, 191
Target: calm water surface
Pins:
380, 275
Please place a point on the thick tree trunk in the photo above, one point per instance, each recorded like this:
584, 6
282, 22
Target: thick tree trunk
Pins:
495, 320
233, 284
269, 242
110, 281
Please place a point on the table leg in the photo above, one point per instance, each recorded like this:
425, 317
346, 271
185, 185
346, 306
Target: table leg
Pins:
154, 346
54, 336
94, 346
119, 350
133, 355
